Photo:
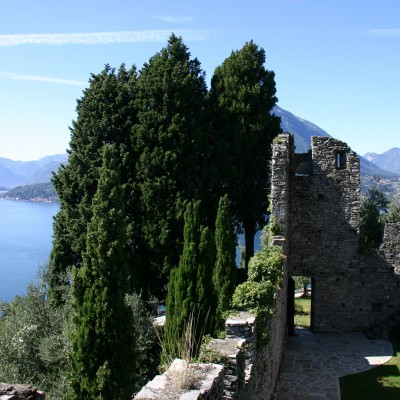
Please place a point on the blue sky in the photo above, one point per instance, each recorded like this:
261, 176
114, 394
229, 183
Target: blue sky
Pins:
337, 62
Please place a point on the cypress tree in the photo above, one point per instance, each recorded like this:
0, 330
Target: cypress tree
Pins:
205, 294
242, 96
181, 299
102, 359
170, 140
105, 115
190, 293
224, 275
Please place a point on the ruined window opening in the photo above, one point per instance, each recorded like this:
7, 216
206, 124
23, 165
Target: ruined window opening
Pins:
341, 160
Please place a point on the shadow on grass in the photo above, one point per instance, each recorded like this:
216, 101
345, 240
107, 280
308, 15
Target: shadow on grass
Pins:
382, 382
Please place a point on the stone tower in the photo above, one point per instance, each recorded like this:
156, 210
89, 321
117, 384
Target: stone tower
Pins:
315, 199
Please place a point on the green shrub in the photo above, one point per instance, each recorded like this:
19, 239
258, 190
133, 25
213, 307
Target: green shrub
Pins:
266, 265
34, 340
254, 295
257, 294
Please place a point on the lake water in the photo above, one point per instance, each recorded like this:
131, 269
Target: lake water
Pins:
26, 230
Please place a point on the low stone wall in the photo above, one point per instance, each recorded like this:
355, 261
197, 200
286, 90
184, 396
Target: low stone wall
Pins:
20, 392
205, 381
263, 377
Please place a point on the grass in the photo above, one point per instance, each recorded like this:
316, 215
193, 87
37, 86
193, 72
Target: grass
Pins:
302, 312
382, 382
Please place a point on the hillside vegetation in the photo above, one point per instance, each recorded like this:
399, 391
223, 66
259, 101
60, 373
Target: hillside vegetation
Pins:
37, 192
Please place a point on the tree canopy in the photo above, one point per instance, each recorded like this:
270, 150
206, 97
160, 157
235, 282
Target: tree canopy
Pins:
175, 143
105, 115
373, 205
170, 143
242, 96
102, 357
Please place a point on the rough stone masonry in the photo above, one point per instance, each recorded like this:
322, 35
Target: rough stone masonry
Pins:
316, 200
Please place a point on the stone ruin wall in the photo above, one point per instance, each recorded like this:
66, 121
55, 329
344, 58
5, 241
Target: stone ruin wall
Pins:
319, 206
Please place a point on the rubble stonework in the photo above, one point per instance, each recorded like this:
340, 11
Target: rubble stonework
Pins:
318, 198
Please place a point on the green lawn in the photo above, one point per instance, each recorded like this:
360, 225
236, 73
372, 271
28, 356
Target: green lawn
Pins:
302, 319
382, 382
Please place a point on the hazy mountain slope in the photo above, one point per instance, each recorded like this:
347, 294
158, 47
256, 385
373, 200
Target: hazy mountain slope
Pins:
18, 173
302, 129
43, 174
389, 160
7, 178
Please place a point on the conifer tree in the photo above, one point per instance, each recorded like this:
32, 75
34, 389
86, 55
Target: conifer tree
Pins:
190, 292
172, 146
102, 360
224, 275
181, 299
242, 95
105, 114
205, 294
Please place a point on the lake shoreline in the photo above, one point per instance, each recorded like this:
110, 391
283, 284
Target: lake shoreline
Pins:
33, 199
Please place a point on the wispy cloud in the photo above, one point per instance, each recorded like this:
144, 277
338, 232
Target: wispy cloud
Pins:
48, 79
99, 37
168, 18
384, 32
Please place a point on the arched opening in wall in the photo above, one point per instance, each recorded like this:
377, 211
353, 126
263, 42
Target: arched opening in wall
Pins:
300, 304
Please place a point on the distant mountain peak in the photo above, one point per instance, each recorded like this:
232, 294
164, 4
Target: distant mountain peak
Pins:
389, 160
18, 173
303, 130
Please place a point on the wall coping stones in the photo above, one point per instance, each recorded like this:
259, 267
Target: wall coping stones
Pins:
208, 382
244, 318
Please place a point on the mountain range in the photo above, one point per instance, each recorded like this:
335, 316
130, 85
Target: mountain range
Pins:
20, 173
389, 160
386, 165
303, 130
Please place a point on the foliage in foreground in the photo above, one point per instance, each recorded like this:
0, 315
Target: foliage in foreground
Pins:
35, 340
382, 382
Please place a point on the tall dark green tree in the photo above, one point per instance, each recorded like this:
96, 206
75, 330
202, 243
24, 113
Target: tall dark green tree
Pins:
224, 274
102, 361
373, 204
181, 299
105, 114
189, 299
242, 96
205, 293
170, 140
